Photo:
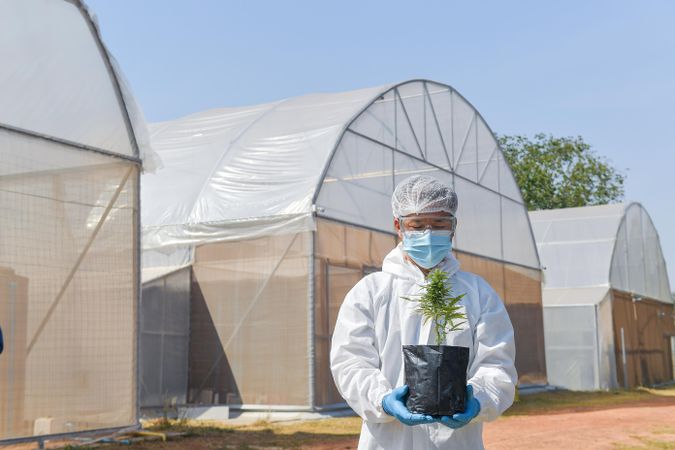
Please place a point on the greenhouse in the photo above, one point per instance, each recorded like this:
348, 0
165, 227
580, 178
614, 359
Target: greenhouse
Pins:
263, 217
608, 313
70, 159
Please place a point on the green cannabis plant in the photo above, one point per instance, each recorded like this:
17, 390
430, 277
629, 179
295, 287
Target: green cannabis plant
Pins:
438, 305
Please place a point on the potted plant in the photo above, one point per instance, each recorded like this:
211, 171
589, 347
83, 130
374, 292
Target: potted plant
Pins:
436, 374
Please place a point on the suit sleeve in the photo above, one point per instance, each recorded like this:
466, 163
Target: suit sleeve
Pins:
354, 357
492, 373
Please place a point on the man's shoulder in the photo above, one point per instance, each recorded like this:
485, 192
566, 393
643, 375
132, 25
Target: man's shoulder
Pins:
373, 286
377, 278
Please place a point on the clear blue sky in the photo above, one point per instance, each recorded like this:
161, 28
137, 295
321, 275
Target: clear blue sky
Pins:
604, 70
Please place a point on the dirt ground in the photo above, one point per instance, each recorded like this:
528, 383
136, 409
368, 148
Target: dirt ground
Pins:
647, 422
651, 426
634, 427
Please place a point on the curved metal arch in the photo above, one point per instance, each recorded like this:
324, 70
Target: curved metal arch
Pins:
620, 226
379, 96
105, 56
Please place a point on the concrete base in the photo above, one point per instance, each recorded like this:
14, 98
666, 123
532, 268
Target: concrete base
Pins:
244, 417
525, 389
223, 413
216, 412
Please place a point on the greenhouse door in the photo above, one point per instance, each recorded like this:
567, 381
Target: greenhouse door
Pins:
338, 281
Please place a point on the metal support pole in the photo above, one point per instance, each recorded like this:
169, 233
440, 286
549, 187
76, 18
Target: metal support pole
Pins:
598, 353
311, 319
623, 358
138, 291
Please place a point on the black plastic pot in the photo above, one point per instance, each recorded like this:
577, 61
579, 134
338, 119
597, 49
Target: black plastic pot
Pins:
436, 378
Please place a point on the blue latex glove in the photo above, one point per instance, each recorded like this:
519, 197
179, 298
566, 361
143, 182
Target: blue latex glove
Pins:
394, 405
458, 420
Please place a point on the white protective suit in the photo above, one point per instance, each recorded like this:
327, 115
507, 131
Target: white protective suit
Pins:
367, 360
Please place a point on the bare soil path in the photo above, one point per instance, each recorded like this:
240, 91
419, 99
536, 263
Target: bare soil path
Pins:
632, 427
606, 422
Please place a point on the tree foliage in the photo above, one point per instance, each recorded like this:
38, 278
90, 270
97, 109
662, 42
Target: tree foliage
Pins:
561, 172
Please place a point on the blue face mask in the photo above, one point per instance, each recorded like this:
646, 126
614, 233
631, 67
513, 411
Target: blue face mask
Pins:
427, 248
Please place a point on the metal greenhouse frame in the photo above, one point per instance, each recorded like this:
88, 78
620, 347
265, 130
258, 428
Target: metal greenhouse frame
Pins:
272, 203
73, 148
608, 315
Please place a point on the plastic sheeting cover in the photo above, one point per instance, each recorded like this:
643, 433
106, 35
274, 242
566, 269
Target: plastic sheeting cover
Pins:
241, 173
62, 82
580, 346
423, 127
254, 169
67, 288
68, 246
610, 245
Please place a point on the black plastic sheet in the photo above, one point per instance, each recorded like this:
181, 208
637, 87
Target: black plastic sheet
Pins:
436, 378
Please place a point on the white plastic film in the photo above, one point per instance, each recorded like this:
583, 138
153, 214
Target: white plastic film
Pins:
434, 145
571, 347
610, 245
434, 124
58, 83
517, 243
164, 335
441, 100
413, 101
638, 265
404, 167
249, 325
241, 173
406, 139
479, 222
606, 350
378, 120
359, 184
67, 255
507, 184
237, 173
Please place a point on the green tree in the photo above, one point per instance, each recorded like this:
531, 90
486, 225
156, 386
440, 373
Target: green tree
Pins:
561, 172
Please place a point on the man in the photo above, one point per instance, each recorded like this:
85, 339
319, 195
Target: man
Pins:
375, 321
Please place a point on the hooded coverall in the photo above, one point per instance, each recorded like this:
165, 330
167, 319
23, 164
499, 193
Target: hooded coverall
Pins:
367, 362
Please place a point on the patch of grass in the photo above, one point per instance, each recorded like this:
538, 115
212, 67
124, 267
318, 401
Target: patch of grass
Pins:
647, 444
343, 426
556, 401
292, 435
264, 433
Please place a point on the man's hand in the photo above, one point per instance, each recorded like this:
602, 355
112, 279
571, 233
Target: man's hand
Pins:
472, 409
394, 405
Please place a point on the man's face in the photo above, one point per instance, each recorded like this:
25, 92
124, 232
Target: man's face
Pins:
420, 222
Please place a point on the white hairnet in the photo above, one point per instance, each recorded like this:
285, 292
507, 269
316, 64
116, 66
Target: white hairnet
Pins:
420, 194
